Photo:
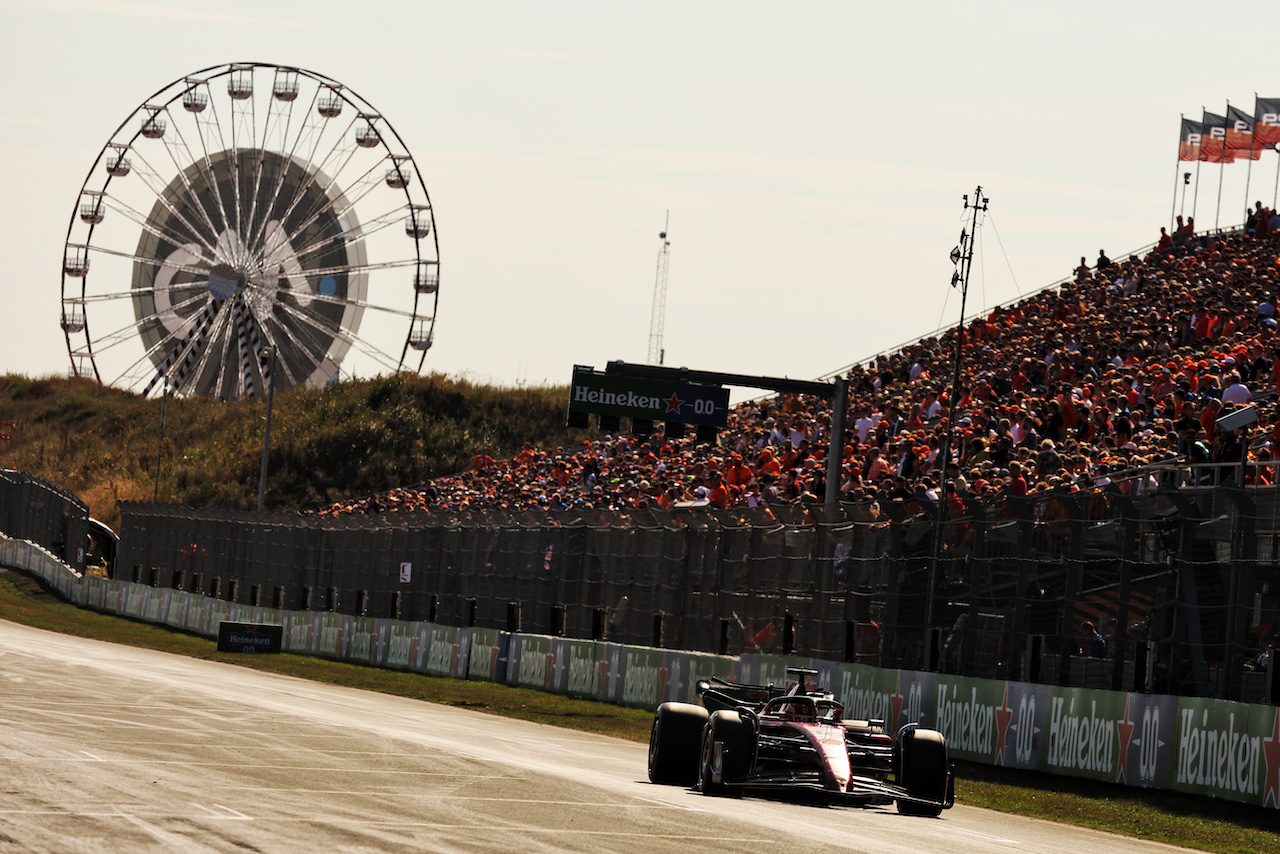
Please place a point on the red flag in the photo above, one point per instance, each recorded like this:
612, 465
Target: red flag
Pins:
1189, 144
1213, 142
1239, 134
1266, 122
766, 634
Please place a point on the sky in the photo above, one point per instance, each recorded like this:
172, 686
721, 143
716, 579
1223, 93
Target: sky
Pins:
813, 157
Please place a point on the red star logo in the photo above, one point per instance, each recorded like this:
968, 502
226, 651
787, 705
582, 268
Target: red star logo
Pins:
1271, 746
1004, 715
674, 403
1125, 729
895, 702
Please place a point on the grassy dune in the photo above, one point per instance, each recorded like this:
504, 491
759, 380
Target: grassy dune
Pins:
350, 439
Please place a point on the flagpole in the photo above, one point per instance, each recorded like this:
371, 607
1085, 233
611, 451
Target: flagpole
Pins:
1222, 166
1252, 140
1195, 195
1276, 193
1177, 167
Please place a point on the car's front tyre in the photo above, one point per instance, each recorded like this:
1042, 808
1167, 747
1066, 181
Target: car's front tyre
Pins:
674, 743
923, 771
727, 755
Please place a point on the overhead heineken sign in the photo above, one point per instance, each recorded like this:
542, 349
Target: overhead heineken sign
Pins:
655, 400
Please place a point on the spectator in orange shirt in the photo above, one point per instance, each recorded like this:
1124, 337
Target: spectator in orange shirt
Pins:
737, 474
766, 464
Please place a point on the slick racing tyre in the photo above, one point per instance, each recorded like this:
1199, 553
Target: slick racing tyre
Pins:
732, 762
922, 771
674, 743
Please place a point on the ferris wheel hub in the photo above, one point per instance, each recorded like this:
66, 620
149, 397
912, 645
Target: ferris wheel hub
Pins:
224, 281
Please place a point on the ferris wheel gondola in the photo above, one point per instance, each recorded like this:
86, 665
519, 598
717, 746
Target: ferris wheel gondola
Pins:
242, 207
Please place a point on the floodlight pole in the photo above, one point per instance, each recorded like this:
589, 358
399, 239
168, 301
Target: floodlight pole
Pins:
962, 256
164, 403
267, 356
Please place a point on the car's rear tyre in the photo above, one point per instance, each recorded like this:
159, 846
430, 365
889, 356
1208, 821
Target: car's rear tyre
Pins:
674, 743
737, 738
922, 771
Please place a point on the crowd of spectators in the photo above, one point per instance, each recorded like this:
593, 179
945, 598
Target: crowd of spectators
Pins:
1101, 379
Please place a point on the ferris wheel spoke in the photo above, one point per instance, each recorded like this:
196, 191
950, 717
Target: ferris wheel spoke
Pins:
327, 207
180, 145
151, 262
213, 124
310, 337
341, 155
217, 332
216, 345
313, 128
190, 336
147, 224
241, 86
148, 176
365, 305
275, 107
197, 289
294, 142
331, 206
303, 341
341, 334
362, 230
347, 301
126, 334
106, 343
281, 365
311, 171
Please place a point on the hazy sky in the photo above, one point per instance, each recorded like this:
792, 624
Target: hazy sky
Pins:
813, 156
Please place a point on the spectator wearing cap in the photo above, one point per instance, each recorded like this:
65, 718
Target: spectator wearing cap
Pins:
719, 494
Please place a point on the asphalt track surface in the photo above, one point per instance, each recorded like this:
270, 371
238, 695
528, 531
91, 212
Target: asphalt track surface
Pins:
106, 748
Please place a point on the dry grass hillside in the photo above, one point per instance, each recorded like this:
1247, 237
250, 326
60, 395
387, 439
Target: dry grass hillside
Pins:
348, 440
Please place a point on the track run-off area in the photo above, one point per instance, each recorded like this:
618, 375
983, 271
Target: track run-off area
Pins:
107, 748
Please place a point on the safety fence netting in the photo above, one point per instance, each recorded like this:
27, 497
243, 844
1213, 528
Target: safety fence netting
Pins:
1173, 591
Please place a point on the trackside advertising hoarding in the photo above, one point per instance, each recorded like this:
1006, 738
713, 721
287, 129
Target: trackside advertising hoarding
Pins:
1207, 747
656, 400
897, 697
585, 669
402, 641
489, 654
443, 650
1228, 750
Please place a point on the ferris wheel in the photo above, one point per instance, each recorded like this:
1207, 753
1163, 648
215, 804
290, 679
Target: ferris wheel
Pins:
249, 225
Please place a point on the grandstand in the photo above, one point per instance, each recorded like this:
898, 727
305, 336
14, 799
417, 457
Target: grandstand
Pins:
1090, 483
1109, 367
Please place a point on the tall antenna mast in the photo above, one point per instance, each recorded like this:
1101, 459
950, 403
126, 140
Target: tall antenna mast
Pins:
659, 317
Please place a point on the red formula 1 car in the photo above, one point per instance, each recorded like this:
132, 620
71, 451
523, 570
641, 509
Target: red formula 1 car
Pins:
745, 738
